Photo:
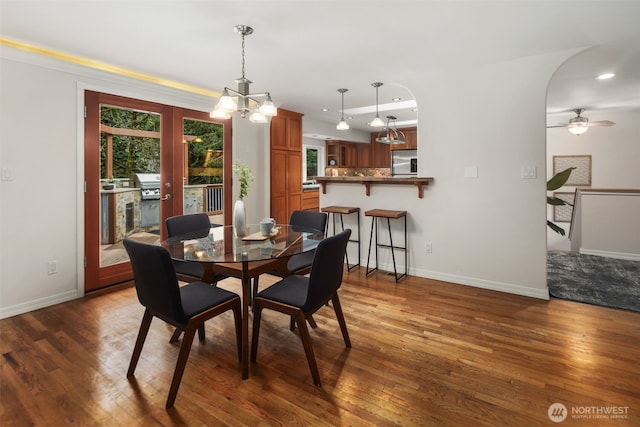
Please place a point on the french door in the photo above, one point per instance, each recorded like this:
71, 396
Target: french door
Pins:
145, 162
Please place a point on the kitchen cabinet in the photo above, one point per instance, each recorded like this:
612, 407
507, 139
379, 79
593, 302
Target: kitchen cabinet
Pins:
286, 164
411, 135
380, 153
342, 154
311, 200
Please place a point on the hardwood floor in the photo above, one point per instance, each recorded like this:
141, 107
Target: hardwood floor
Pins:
424, 353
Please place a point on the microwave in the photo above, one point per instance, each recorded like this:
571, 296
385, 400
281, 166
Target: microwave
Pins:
404, 162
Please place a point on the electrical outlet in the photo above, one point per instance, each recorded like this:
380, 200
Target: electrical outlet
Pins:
427, 247
52, 267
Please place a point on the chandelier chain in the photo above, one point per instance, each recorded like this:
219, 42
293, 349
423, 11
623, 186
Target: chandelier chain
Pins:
243, 56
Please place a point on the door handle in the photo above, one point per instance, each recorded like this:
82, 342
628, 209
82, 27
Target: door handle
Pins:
166, 197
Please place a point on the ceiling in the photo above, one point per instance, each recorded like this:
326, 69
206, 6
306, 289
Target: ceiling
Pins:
303, 51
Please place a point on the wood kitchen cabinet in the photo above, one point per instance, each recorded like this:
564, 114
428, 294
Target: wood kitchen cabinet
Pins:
411, 135
286, 164
348, 154
380, 153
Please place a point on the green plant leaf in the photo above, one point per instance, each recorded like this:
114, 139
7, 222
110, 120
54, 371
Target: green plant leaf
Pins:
559, 179
556, 202
555, 228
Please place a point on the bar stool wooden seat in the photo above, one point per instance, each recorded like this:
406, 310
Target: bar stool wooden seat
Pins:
332, 211
389, 215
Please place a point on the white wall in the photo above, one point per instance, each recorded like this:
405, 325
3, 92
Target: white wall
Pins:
41, 207
615, 157
487, 232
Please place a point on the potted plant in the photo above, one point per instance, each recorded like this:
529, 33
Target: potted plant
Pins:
110, 184
557, 181
245, 176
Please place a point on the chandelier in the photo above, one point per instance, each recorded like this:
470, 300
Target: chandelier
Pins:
227, 105
392, 136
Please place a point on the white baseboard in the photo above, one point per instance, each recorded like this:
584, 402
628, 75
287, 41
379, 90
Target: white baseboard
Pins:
470, 281
37, 304
608, 254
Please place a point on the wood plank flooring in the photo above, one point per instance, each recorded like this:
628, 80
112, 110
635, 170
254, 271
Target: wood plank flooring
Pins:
424, 353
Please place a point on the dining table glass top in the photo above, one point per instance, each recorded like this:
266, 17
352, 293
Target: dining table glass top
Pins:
223, 244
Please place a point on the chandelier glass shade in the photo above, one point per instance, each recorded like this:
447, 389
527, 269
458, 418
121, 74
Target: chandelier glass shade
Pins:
242, 100
391, 135
342, 125
377, 121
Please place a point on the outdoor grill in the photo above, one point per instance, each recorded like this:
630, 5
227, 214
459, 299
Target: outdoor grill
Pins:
149, 185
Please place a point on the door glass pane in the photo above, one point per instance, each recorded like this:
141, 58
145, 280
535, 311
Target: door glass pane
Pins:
203, 168
130, 180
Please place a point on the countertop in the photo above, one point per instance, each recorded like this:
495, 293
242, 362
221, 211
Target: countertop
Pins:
367, 181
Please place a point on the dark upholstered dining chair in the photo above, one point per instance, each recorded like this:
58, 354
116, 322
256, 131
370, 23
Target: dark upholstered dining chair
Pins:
301, 263
300, 296
197, 225
186, 307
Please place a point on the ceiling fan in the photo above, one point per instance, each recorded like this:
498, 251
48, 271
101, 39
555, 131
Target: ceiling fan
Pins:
579, 125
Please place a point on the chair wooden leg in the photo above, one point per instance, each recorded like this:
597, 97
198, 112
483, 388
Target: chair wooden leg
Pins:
142, 336
343, 325
237, 317
257, 314
308, 348
201, 332
183, 356
176, 335
255, 290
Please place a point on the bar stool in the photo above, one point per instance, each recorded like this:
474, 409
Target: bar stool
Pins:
389, 215
332, 211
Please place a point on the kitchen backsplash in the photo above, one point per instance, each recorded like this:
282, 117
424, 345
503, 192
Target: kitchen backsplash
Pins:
357, 172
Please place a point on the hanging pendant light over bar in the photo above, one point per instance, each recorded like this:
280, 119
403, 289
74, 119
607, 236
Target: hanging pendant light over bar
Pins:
393, 136
377, 121
342, 125
227, 105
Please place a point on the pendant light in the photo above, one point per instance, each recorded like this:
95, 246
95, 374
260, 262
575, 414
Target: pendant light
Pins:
342, 125
393, 136
377, 121
226, 104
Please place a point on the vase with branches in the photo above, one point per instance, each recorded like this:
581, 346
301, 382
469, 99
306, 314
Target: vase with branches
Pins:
245, 176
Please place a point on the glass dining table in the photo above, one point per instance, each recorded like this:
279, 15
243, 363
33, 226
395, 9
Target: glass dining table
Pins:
221, 250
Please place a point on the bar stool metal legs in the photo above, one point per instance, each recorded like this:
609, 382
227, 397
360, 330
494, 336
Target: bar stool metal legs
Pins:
346, 210
382, 213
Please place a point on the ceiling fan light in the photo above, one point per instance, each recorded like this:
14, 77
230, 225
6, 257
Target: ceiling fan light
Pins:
578, 128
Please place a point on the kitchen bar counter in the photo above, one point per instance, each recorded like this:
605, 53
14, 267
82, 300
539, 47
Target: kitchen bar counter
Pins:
367, 181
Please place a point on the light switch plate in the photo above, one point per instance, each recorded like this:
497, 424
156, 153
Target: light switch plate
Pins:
471, 172
529, 172
7, 173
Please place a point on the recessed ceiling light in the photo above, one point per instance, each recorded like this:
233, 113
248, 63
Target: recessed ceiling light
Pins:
350, 117
605, 76
396, 99
414, 109
325, 109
